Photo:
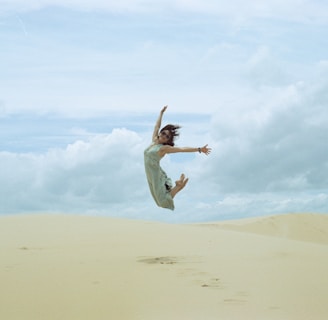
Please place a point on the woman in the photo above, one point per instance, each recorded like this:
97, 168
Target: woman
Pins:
160, 185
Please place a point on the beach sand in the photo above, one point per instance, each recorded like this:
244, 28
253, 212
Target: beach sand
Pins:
71, 267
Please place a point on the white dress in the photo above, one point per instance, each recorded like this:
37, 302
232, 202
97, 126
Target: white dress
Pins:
159, 184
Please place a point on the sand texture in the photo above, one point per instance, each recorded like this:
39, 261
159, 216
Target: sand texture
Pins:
64, 267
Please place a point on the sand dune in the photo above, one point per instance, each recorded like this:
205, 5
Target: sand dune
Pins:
59, 267
302, 227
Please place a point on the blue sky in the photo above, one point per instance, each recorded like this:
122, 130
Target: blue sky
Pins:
82, 82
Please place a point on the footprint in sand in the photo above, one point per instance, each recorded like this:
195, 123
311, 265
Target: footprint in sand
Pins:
238, 299
202, 278
160, 260
212, 283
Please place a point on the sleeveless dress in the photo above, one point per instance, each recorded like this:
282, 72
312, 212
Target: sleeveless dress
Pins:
159, 184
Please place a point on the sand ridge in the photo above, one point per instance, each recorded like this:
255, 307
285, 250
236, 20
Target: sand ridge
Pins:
302, 226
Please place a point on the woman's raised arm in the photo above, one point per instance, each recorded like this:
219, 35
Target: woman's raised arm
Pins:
158, 124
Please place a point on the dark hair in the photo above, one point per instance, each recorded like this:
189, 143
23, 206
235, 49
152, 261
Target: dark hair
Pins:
174, 133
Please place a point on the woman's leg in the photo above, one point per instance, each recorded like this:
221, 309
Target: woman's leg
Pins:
179, 185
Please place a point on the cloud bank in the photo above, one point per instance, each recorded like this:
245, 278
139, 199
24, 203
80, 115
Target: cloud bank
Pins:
86, 175
268, 157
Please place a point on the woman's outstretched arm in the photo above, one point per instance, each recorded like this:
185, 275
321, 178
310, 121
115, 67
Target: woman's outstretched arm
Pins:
168, 149
158, 124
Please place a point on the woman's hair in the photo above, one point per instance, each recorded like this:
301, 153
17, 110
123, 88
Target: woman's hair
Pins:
174, 133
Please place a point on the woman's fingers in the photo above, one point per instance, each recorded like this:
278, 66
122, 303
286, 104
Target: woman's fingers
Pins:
206, 149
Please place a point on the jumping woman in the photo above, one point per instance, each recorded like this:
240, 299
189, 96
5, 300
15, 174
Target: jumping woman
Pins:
160, 184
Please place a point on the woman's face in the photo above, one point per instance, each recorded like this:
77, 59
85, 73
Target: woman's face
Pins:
164, 136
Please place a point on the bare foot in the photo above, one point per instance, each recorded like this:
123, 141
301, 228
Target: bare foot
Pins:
181, 183
178, 182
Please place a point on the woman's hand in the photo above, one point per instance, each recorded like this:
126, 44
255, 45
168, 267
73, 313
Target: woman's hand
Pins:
164, 109
206, 150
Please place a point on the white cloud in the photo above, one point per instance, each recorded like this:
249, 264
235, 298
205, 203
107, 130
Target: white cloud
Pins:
237, 11
274, 144
264, 69
87, 175
234, 206
76, 64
